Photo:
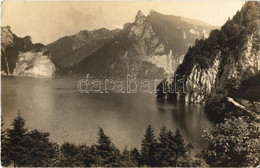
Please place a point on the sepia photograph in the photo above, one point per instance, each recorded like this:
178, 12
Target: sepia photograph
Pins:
151, 83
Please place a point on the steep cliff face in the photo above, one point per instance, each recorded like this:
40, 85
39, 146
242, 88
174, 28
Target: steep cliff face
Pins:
151, 46
200, 81
34, 64
227, 57
19, 56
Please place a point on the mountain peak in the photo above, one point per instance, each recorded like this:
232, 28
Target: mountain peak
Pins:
152, 12
140, 13
149, 47
139, 17
5, 29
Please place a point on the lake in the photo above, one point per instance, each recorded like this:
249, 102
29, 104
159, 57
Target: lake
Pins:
56, 106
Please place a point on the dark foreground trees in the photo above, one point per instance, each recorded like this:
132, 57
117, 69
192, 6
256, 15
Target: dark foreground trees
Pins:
40, 151
149, 148
234, 142
21, 147
169, 150
16, 141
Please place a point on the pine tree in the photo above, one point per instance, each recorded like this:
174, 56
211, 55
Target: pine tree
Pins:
70, 156
178, 139
187, 160
87, 155
127, 159
41, 152
172, 149
104, 148
180, 145
114, 160
135, 155
164, 152
16, 141
148, 148
93, 154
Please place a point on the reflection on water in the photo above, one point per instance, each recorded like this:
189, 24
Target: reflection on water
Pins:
55, 105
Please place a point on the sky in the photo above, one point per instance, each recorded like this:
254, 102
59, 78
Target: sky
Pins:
47, 21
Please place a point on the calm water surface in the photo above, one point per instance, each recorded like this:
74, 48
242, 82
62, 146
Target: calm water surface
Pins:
55, 105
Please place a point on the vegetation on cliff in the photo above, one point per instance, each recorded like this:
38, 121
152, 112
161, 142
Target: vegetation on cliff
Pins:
235, 106
227, 57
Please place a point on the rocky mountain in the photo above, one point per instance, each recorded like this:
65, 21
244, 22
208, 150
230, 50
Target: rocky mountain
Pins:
221, 62
19, 56
151, 46
71, 50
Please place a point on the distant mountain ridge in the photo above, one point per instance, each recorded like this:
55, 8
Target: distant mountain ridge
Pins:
152, 46
73, 46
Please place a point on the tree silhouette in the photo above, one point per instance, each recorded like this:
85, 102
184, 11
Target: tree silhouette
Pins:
135, 156
164, 151
70, 155
149, 148
16, 141
172, 149
104, 148
40, 151
87, 155
180, 145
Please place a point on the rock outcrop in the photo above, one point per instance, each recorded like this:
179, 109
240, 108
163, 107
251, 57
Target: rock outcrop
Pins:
227, 57
150, 47
19, 56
